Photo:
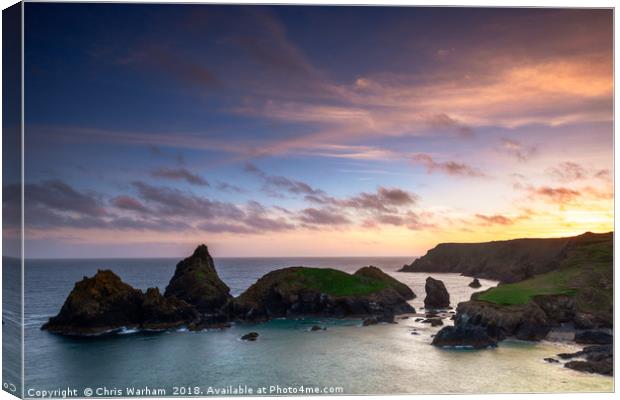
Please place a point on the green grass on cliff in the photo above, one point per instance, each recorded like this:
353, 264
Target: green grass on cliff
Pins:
586, 272
338, 283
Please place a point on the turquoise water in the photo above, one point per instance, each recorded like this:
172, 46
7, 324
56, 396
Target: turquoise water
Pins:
346, 358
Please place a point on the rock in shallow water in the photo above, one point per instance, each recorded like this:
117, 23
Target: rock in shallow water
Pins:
437, 295
463, 337
105, 303
598, 359
475, 284
252, 336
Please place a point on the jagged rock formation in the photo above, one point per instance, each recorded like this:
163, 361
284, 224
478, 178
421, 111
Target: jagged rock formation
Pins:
437, 295
198, 299
196, 281
298, 291
506, 261
105, 303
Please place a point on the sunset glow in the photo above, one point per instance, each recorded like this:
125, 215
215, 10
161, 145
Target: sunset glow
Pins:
283, 131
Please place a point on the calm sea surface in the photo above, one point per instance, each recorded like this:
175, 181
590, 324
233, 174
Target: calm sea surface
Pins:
380, 359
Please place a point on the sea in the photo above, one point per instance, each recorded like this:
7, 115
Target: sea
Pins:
287, 358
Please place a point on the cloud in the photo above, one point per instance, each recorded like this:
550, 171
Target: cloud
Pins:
323, 216
180, 174
448, 167
558, 195
174, 202
172, 64
227, 187
495, 219
273, 183
569, 171
58, 196
383, 200
129, 203
518, 150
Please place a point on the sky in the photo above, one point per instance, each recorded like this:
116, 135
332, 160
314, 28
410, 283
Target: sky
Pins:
312, 131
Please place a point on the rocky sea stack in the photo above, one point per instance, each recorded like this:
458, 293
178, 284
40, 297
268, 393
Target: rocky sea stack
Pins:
105, 303
302, 291
196, 281
437, 295
198, 299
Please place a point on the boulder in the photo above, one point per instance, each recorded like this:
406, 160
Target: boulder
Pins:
474, 337
436, 294
252, 336
596, 367
315, 328
594, 337
196, 282
475, 284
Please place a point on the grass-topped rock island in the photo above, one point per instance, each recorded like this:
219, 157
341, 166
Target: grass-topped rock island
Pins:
198, 299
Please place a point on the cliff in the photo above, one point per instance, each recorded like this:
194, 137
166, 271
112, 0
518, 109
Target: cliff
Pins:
505, 261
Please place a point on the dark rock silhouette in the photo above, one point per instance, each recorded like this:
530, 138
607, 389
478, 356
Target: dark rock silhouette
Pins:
301, 291
436, 294
475, 283
598, 359
475, 337
105, 303
252, 336
196, 281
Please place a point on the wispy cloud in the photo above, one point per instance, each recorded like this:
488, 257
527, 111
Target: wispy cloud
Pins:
180, 174
446, 167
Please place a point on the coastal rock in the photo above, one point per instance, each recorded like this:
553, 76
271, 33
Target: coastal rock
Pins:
594, 337
375, 273
196, 282
599, 359
436, 294
474, 284
526, 322
315, 328
551, 360
596, 367
159, 312
302, 291
558, 308
474, 337
251, 337
98, 304
104, 303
